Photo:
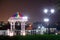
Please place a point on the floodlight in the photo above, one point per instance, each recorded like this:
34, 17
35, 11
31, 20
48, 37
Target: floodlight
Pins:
52, 10
45, 10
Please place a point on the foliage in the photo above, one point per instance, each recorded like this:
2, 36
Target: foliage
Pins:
31, 37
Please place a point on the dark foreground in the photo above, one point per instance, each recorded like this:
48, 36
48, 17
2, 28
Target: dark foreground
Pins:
31, 37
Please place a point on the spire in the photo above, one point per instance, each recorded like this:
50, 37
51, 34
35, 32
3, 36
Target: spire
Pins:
17, 15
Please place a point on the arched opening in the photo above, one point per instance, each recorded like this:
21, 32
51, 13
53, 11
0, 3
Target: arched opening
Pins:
18, 25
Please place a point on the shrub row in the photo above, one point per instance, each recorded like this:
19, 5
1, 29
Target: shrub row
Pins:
31, 37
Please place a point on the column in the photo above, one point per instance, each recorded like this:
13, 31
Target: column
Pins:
11, 32
13, 25
22, 28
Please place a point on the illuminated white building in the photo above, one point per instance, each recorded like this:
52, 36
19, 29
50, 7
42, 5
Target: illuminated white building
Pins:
15, 18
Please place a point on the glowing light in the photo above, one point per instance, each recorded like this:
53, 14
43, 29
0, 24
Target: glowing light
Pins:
30, 25
46, 20
25, 17
23, 33
45, 10
52, 10
38, 26
17, 15
56, 33
10, 33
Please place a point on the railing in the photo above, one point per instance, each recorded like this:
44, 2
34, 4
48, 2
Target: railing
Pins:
18, 32
28, 32
2, 32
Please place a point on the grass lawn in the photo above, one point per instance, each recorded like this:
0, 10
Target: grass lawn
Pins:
31, 37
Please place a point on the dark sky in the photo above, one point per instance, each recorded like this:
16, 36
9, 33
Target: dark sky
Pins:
31, 8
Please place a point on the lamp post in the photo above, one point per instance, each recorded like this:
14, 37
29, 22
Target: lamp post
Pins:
46, 20
48, 12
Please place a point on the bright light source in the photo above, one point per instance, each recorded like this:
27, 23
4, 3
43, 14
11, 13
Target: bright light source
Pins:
30, 25
25, 18
52, 10
23, 33
46, 20
38, 26
56, 33
43, 29
10, 33
45, 10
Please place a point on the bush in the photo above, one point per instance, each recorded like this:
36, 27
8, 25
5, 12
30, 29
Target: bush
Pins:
31, 37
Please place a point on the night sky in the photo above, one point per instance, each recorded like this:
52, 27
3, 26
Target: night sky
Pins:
31, 8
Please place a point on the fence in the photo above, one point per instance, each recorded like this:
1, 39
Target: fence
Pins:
18, 32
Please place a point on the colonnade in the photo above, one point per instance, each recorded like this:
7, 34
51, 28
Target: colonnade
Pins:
12, 27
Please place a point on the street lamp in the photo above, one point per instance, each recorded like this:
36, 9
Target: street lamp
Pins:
48, 12
46, 20
52, 10
45, 10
